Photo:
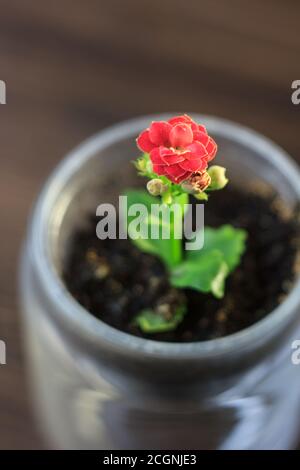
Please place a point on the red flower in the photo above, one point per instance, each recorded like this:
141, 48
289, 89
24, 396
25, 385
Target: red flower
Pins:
178, 147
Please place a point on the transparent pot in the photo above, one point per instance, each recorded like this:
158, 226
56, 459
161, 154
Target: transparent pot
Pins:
95, 387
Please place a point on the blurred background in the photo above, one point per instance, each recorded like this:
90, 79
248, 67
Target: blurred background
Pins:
73, 67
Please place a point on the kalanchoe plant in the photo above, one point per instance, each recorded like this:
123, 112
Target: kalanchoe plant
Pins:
176, 156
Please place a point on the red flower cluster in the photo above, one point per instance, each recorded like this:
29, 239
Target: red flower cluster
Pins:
178, 147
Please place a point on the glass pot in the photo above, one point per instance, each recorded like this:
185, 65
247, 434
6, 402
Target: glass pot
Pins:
95, 387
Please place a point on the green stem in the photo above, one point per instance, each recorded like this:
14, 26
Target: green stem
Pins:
175, 243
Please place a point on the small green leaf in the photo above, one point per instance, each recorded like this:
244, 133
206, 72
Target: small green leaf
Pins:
140, 196
169, 250
152, 322
201, 196
206, 269
218, 283
227, 239
205, 273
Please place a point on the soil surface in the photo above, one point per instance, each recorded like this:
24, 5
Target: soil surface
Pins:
115, 281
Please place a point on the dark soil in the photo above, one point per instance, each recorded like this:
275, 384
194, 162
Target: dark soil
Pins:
115, 281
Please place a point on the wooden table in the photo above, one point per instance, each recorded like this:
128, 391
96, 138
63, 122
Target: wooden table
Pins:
72, 68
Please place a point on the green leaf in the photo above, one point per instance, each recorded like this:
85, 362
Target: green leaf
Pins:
227, 239
218, 283
169, 250
140, 196
152, 322
201, 196
206, 269
206, 273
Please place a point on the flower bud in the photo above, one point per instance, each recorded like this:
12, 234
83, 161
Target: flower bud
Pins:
141, 164
218, 177
197, 183
156, 187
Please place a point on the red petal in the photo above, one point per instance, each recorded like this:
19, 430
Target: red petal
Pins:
155, 157
176, 119
211, 148
197, 149
159, 133
202, 128
159, 169
181, 135
175, 171
169, 157
143, 141
185, 119
197, 164
184, 177
201, 137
